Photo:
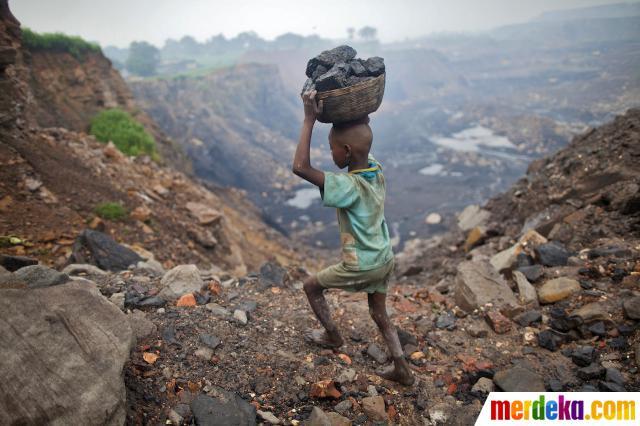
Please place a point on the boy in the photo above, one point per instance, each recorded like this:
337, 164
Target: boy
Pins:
367, 259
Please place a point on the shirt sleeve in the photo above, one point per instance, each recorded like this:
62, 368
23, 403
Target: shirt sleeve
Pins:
339, 190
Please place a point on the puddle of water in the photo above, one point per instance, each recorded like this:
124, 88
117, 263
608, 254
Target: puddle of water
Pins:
432, 170
473, 139
303, 198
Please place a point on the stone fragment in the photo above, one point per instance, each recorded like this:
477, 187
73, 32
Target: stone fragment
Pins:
519, 379
217, 310
527, 318
204, 353
552, 254
118, 300
100, 249
318, 418
83, 269
498, 322
210, 341
477, 284
484, 385
592, 371
476, 330
206, 215
526, 292
472, 216
533, 273
140, 325
346, 376
229, 409
446, 320
631, 308
35, 276
329, 58
373, 407
375, 352
13, 263
583, 355
590, 312
558, 289
374, 66
180, 280
240, 316
269, 417
551, 339
272, 275
186, 300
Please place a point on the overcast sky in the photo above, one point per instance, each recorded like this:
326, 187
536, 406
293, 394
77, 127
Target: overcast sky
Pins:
119, 22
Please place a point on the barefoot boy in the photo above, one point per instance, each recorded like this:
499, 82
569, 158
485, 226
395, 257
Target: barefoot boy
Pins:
367, 259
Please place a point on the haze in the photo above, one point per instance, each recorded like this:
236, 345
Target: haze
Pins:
118, 22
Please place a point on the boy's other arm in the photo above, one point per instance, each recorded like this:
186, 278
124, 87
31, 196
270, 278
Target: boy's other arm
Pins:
302, 160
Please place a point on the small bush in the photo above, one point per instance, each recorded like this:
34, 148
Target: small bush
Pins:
124, 131
111, 211
59, 42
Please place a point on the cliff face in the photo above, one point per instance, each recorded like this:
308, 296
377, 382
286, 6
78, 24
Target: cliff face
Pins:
69, 91
53, 178
236, 124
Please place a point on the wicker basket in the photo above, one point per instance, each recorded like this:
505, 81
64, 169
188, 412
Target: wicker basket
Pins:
353, 102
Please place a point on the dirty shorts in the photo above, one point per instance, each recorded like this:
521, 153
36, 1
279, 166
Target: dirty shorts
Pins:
371, 281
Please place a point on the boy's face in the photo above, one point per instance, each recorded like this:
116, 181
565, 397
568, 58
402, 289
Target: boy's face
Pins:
338, 151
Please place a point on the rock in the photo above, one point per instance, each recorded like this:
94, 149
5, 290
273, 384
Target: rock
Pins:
140, 325
527, 318
204, 353
63, 350
551, 339
484, 385
141, 213
175, 418
373, 407
519, 379
99, 249
338, 420
446, 320
558, 289
335, 78
343, 406
210, 340
118, 300
150, 267
318, 418
35, 276
346, 376
609, 251
268, 417
631, 308
591, 312
180, 280
329, 58
240, 316
230, 409
272, 275
206, 215
217, 310
611, 387
83, 269
476, 330
151, 301
552, 254
498, 322
13, 263
248, 306
186, 300
477, 284
505, 259
475, 237
593, 371
406, 338
374, 66
472, 216
526, 292
598, 329
433, 219
204, 237
614, 375
583, 356
375, 352
324, 389
533, 273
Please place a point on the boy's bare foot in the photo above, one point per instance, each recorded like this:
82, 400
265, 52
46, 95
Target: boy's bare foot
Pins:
322, 338
399, 375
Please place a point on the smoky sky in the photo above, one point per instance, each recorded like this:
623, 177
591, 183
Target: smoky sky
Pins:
118, 22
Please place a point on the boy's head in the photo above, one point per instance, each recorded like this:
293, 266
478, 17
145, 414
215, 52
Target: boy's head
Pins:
350, 140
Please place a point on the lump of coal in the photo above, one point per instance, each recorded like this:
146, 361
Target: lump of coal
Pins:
374, 66
338, 68
329, 58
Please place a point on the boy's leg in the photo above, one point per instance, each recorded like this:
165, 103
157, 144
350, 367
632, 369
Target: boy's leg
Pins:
400, 371
331, 336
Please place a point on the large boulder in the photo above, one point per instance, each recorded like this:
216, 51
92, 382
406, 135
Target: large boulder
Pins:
477, 284
180, 280
97, 248
63, 349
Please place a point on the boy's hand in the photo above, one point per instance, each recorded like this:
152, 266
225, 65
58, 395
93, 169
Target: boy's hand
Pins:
312, 109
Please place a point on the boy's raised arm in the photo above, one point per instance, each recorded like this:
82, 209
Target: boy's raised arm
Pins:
302, 160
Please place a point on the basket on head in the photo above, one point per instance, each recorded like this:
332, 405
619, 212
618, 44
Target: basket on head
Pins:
353, 102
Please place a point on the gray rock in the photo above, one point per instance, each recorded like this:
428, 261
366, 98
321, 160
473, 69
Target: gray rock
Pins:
329, 58
13, 263
229, 410
526, 318
247, 306
484, 385
180, 280
526, 292
140, 325
271, 275
631, 308
593, 371
204, 353
472, 216
240, 316
357, 68
477, 330
590, 312
268, 417
100, 249
551, 339
335, 78
533, 273
446, 320
614, 375
552, 254
150, 267
583, 355
376, 352
346, 376
217, 310
35, 276
118, 300
83, 269
519, 379
477, 284
175, 418
318, 418
152, 301
210, 341
374, 66
373, 407
63, 350
343, 406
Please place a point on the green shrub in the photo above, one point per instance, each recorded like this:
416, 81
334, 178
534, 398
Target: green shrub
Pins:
110, 211
59, 42
124, 131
